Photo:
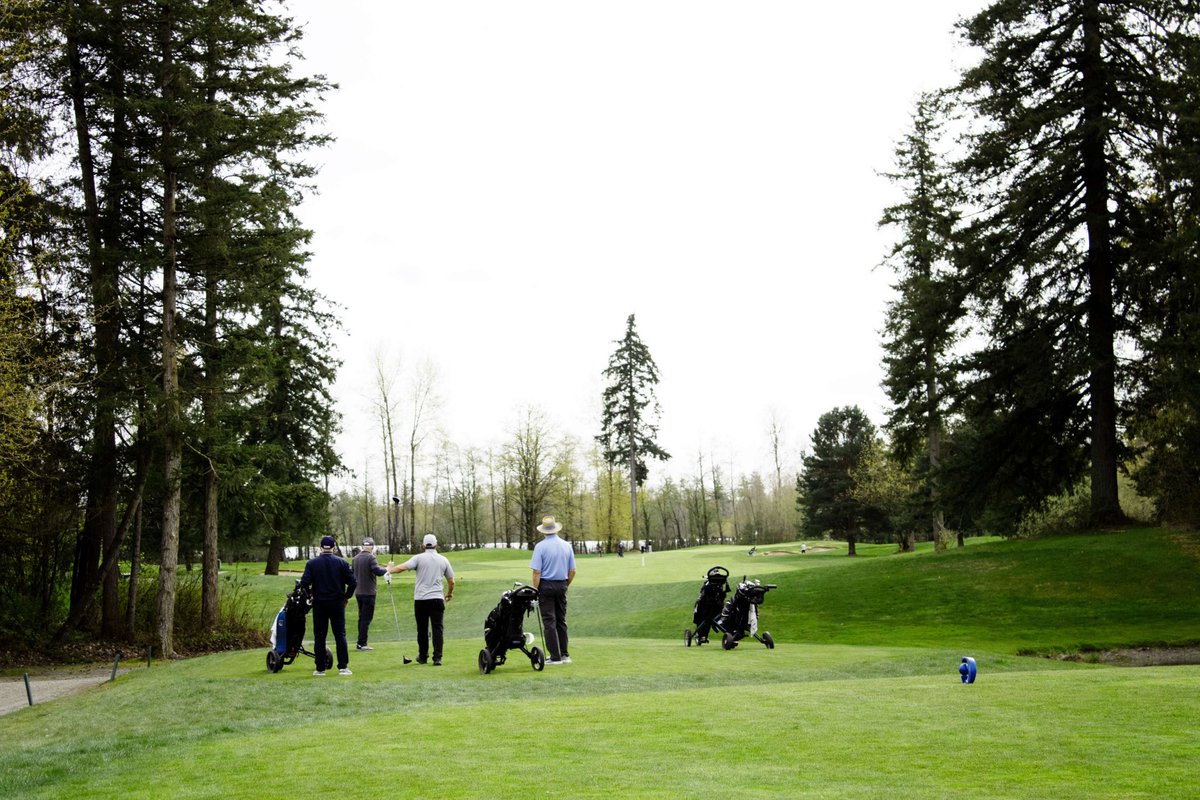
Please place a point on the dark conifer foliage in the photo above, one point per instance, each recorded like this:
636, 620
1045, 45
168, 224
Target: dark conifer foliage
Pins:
922, 323
629, 423
1071, 104
841, 441
189, 132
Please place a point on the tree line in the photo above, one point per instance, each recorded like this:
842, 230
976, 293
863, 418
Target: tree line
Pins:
166, 369
495, 497
1044, 335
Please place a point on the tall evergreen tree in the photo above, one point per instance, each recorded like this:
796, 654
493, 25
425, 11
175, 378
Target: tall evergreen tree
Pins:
1068, 96
629, 423
921, 321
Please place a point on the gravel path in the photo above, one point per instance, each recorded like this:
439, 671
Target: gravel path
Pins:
48, 685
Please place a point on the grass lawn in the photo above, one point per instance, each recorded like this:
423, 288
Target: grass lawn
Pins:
861, 698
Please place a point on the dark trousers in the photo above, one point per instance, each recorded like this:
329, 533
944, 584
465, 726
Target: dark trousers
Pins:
429, 611
366, 613
552, 602
326, 614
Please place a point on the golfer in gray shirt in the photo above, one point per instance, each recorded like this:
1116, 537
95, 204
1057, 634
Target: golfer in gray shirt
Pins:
429, 605
365, 569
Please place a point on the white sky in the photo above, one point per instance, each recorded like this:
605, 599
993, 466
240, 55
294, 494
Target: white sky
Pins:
512, 179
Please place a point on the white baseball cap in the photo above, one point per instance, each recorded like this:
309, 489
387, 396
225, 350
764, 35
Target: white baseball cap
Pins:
430, 540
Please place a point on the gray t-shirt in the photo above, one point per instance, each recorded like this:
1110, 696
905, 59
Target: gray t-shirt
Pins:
430, 566
365, 567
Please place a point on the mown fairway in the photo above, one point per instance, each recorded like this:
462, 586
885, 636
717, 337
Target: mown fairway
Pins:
860, 699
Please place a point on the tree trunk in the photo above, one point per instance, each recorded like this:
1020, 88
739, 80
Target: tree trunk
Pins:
633, 495
933, 439
274, 554
100, 518
209, 591
108, 563
1105, 505
135, 566
612, 521
171, 416
209, 599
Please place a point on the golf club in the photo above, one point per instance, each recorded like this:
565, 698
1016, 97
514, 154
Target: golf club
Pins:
395, 616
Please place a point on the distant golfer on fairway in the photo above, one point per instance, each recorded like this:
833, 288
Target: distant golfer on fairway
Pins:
428, 604
553, 566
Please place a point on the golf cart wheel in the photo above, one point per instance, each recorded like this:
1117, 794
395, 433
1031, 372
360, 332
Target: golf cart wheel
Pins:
768, 641
274, 662
728, 642
538, 658
687, 638
485, 662
328, 659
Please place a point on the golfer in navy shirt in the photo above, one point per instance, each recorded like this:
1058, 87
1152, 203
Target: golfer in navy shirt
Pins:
332, 583
553, 566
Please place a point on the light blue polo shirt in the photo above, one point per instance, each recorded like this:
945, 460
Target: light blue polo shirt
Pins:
553, 558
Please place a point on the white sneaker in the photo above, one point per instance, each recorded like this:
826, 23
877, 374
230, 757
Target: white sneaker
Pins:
320, 673
345, 671
363, 647
566, 659
553, 663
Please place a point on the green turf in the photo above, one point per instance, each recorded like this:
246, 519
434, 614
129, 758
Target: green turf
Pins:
861, 698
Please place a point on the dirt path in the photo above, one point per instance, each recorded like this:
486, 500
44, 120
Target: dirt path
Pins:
1151, 656
47, 685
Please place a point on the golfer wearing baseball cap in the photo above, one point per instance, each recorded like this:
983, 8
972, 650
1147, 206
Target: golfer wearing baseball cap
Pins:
366, 569
332, 583
429, 606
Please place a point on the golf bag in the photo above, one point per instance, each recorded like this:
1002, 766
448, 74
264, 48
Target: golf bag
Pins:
708, 605
287, 635
503, 630
740, 615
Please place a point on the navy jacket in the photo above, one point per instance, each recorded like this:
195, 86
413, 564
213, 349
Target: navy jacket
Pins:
330, 577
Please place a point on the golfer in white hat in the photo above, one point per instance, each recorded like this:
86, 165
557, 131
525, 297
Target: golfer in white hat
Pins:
429, 605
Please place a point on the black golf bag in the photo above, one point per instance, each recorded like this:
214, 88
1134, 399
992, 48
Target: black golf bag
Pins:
708, 605
504, 630
287, 636
740, 615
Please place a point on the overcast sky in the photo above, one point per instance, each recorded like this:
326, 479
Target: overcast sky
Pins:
511, 180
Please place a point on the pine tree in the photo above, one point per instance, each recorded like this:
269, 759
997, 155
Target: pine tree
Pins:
1068, 96
629, 424
921, 322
